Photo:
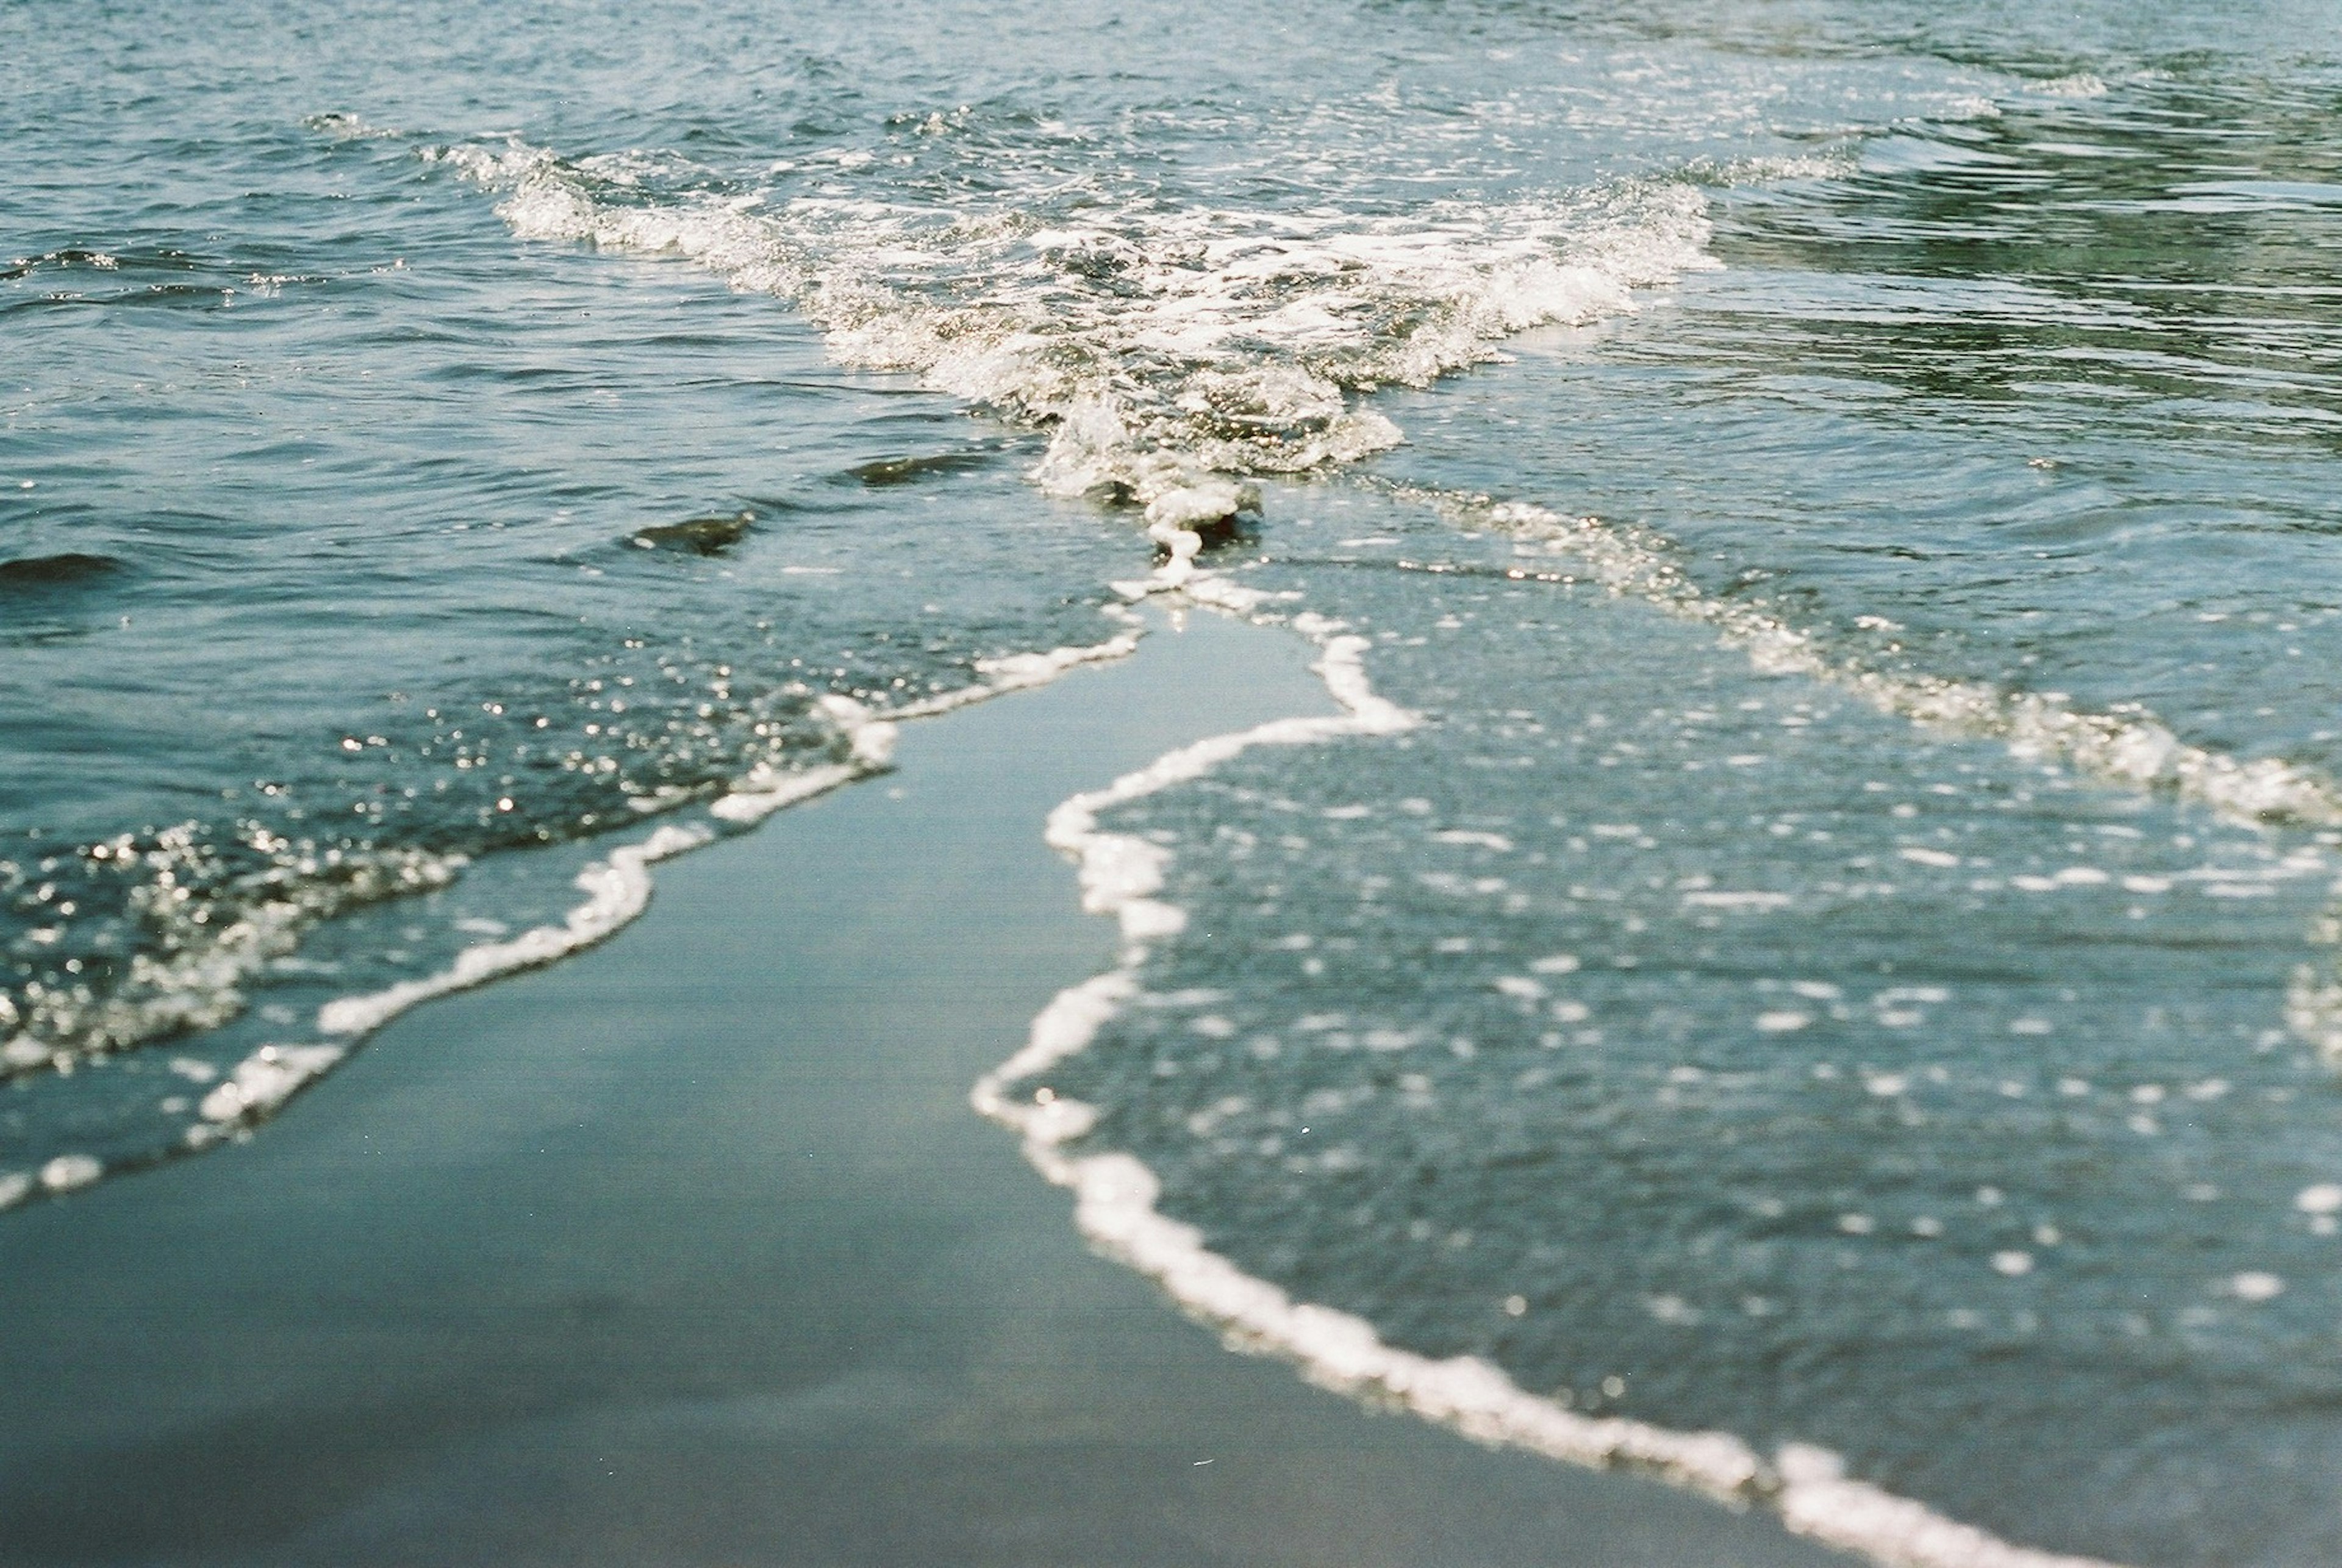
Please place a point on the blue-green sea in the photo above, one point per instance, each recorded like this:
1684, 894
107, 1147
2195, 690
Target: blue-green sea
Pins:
1845, 955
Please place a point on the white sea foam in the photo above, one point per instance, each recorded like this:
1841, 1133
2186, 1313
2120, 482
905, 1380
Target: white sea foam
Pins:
207, 951
2312, 1010
1012, 672
265, 1080
1169, 350
1017, 672
66, 1172
2129, 747
1232, 344
761, 793
617, 890
1114, 1206
2080, 84
1722, 898
870, 748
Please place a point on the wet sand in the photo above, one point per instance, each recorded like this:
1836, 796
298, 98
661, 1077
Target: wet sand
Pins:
690, 1251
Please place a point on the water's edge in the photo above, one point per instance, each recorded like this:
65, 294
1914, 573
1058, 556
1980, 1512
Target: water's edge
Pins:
1114, 1197
618, 888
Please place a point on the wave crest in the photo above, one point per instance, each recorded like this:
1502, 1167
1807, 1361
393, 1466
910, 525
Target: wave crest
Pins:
1164, 345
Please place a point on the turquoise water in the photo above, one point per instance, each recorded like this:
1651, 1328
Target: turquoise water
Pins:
1845, 958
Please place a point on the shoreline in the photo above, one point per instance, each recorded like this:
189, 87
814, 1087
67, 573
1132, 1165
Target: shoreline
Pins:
689, 1249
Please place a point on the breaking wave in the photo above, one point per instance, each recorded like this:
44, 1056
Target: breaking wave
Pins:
1169, 349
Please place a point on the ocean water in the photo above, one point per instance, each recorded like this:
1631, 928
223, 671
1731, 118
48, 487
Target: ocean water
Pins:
1819, 932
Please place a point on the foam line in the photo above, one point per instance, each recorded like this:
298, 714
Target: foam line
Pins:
617, 890
2130, 748
1114, 1205
266, 1080
1017, 672
762, 793
208, 950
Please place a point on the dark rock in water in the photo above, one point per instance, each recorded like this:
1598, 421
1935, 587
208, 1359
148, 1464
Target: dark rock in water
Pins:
890, 471
1235, 528
700, 535
56, 571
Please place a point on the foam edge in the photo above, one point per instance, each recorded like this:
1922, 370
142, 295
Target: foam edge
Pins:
2126, 747
1115, 1198
617, 890
2129, 747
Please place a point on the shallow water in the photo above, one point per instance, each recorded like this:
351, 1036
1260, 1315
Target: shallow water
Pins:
1845, 955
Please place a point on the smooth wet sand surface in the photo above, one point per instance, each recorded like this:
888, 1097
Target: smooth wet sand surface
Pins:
690, 1251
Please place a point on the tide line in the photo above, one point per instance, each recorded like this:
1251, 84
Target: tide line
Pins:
618, 887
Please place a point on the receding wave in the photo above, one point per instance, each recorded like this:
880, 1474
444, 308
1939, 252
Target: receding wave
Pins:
204, 951
1123, 876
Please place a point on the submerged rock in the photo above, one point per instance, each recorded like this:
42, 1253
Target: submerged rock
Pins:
886, 472
54, 571
1215, 510
700, 535
1201, 501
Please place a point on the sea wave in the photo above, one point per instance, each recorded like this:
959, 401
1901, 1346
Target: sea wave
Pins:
1122, 877
2127, 746
1167, 348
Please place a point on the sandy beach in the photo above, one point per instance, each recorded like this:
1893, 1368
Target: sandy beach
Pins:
690, 1251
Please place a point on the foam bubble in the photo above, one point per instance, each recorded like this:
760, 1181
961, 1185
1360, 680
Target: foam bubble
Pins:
1817, 1499
763, 791
2255, 1287
2079, 84
1017, 671
66, 1172
1725, 898
265, 1080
